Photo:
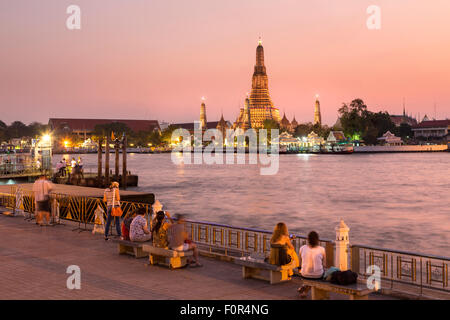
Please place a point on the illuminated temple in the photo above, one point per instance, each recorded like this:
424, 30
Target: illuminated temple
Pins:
259, 106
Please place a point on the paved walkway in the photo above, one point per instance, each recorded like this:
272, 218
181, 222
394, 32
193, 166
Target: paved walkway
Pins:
34, 261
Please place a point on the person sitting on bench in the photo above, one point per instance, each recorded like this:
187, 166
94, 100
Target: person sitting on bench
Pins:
126, 224
179, 240
138, 228
282, 252
159, 230
312, 260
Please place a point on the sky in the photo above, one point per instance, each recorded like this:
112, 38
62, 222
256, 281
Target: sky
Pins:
142, 59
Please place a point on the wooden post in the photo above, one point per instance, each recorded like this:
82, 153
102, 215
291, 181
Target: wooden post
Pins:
107, 180
100, 156
117, 160
124, 162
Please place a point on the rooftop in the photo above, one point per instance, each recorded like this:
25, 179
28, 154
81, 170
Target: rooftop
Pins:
433, 124
89, 124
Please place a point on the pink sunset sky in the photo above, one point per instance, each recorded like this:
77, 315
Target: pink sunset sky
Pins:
142, 59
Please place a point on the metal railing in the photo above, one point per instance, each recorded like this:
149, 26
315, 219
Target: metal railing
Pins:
234, 241
419, 270
402, 267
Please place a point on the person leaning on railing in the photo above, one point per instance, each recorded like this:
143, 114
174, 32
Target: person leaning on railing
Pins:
282, 252
112, 199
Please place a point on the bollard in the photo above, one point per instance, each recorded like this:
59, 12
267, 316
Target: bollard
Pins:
341, 256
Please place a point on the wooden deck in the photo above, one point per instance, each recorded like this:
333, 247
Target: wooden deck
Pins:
76, 191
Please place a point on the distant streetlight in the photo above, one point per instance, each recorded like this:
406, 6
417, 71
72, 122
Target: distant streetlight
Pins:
46, 138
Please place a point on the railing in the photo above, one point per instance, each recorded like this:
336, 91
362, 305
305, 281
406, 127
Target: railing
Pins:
402, 267
234, 241
397, 267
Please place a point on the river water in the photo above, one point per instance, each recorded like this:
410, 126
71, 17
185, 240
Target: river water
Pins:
397, 201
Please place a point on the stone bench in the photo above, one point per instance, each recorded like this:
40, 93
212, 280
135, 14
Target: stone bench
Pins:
320, 290
252, 269
170, 258
131, 248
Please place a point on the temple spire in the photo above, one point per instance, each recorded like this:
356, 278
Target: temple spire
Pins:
203, 121
317, 116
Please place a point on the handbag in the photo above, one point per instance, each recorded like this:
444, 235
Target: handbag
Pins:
115, 211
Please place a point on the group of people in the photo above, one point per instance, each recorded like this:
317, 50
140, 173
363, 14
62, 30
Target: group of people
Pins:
66, 167
311, 258
164, 232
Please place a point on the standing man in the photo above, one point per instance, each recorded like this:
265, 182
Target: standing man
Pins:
41, 189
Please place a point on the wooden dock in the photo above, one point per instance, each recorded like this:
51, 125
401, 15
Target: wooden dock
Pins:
77, 191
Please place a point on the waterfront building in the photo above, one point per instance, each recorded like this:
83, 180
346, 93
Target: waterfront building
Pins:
336, 137
435, 129
294, 125
390, 139
85, 127
190, 126
314, 140
317, 115
404, 118
289, 143
260, 104
243, 120
222, 126
163, 125
285, 124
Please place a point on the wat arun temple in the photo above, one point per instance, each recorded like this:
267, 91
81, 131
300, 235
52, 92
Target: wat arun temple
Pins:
258, 106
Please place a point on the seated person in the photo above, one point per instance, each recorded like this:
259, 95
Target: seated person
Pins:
126, 224
280, 242
312, 260
159, 230
138, 228
179, 240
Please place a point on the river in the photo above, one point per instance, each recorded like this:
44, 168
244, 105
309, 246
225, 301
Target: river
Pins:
397, 201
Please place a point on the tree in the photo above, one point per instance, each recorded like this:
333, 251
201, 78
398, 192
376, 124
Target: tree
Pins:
404, 131
3, 129
270, 124
357, 121
303, 129
17, 129
119, 129
36, 129
166, 135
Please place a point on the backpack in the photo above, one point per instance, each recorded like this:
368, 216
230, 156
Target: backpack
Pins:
344, 277
279, 255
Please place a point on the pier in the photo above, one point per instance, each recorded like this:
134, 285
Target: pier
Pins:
48, 251
34, 267
79, 192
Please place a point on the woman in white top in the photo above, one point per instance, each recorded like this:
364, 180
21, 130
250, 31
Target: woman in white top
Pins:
312, 261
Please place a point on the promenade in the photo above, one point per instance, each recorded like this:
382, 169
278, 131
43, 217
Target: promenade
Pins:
34, 261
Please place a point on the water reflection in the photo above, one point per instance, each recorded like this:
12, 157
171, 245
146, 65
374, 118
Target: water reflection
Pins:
390, 200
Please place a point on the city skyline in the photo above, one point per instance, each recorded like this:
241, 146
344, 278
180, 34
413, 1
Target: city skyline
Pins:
148, 67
